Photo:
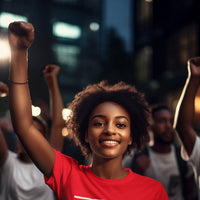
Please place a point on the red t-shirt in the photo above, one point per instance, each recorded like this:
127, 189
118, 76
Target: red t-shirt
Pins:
73, 181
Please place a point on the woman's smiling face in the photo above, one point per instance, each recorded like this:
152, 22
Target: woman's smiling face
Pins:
109, 130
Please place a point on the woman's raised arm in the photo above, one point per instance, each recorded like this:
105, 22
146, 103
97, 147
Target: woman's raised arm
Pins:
21, 36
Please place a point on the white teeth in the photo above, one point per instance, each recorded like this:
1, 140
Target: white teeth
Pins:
110, 142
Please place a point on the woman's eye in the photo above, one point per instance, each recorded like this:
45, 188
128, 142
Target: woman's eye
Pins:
98, 124
121, 125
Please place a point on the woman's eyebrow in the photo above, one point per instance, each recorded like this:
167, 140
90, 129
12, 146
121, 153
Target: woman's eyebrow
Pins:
122, 117
103, 116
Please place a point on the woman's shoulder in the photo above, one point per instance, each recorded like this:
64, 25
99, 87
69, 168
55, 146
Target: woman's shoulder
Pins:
65, 159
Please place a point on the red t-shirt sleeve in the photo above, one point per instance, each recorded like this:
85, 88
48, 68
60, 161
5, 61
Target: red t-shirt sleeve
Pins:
59, 176
162, 194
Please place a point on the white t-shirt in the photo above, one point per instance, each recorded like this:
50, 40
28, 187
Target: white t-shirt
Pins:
194, 160
22, 181
164, 168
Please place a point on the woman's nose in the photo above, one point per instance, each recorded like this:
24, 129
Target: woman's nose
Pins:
109, 129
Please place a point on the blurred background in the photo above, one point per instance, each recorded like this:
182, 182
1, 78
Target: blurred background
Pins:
143, 42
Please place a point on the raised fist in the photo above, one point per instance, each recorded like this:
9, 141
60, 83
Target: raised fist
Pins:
194, 67
51, 72
20, 35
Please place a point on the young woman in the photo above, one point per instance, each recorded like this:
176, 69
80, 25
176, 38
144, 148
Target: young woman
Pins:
106, 121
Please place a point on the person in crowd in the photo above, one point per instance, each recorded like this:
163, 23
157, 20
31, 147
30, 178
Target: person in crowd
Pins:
50, 73
184, 118
5, 122
7, 128
162, 161
19, 177
106, 121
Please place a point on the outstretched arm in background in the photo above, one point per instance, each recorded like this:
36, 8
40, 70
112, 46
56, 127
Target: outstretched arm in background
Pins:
21, 36
185, 108
56, 106
3, 146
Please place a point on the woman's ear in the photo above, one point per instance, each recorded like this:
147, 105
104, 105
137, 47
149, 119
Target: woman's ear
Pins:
130, 140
